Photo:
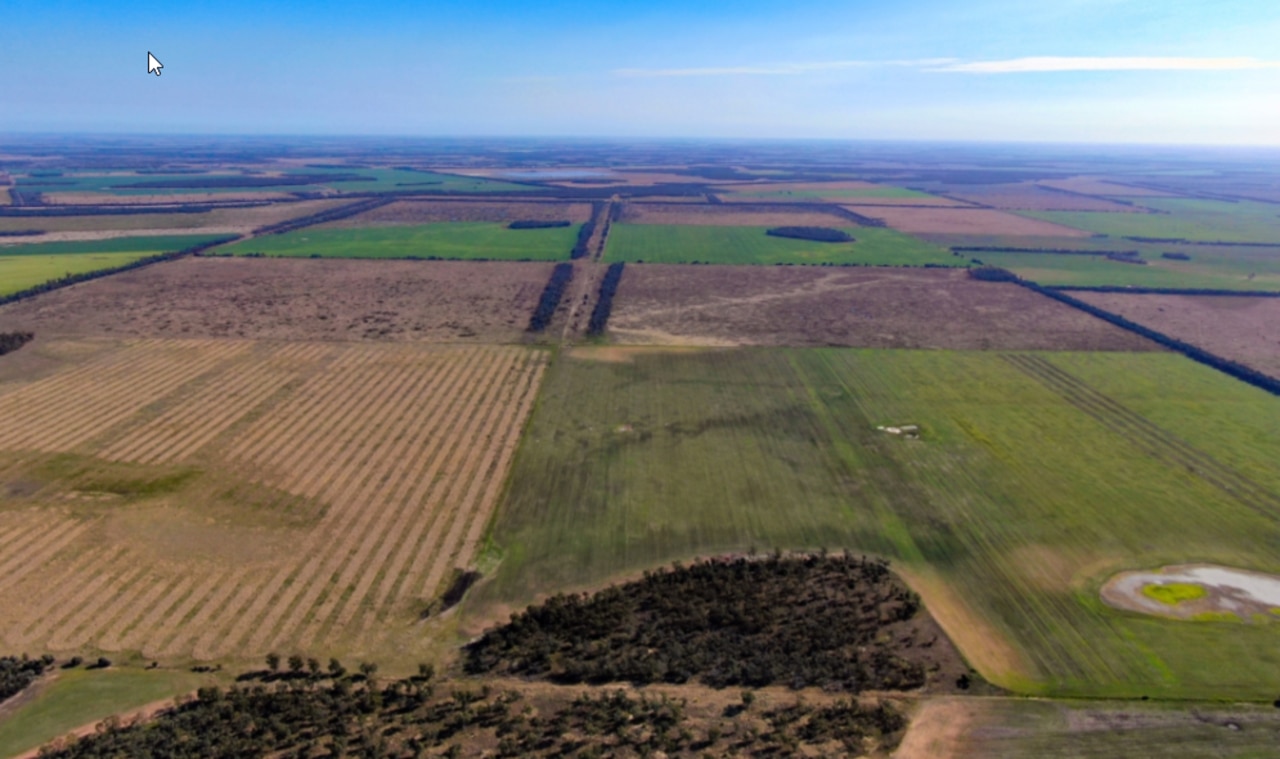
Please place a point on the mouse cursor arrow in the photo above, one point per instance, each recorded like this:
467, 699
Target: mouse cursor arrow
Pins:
153, 65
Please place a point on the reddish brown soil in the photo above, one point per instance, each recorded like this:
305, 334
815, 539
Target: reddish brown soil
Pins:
429, 301
1238, 328
1027, 196
864, 307
965, 221
727, 216
428, 211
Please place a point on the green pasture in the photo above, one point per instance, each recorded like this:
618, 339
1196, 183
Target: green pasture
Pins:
850, 194
373, 180
1036, 478
1216, 268
1197, 220
80, 697
28, 265
142, 244
455, 240
674, 244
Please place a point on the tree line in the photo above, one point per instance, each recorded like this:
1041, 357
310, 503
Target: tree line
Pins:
604, 300
1057, 251
560, 278
17, 672
321, 217
125, 210
537, 224
11, 341
815, 234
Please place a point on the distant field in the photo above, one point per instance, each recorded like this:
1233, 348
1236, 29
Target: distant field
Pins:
226, 498
1037, 477
454, 240
669, 243
883, 191
365, 180
23, 266
1234, 269
21, 272
242, 219
1200, 220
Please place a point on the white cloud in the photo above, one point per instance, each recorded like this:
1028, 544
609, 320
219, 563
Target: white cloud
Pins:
778, 69
1048, 64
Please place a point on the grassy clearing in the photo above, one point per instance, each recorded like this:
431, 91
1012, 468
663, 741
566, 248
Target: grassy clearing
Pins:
79, 697
21, 272
1201, 220
454, 240
672, 244
1025, 493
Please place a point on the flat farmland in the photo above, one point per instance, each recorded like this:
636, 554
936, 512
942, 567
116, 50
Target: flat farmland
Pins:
967, 221
1031, 196
847, 192
28, 265
1238, 328
724, 215
220, 499
457, 240
1181, 218
436, 211
860, 307
217, 221
1212, 268
1104, 188
670, 243
1036, 477
286, 299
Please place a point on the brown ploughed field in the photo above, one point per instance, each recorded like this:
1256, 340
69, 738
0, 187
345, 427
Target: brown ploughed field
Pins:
430, 211
1028, 196
965, 221
1238, 328
862, 307
727, 216
295, 299
1096, 186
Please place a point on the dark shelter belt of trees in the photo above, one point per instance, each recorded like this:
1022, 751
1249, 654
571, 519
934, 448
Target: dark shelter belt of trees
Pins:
332, 214
816, 234
537, 224
11, 341
21, 232
72, 279
1199, 355
215, 182
124, 210
604, 302
16, 673
585, 232
561, 276
799, 621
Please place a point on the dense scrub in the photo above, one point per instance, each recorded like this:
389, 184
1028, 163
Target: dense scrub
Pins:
310, 712
798, 621
21, 232
1172, 256
816, 234
16, 673
604, 301
537, 224
11, 341
561, 276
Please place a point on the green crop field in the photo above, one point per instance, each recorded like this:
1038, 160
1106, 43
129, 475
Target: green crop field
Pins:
80, 697
671, 244
460, 240
1216, 268
1036, 478
1198, 220
850, 194
24, 266
372, 180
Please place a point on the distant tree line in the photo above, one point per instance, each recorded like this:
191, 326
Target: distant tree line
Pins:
17, 672
1127, 258
798, 621
1175, 256
11, 341
552, 293
1217, 243
1055, 251
73, 279
537, 224
332, 214
224, 182
815, 234
21, 232
585, 232
124, 210
604, 300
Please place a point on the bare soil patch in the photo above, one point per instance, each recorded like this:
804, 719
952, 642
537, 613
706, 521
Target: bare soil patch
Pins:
421, 301
430, 211
726, 216
1029, 196
1241, 329
965, 221
862, 307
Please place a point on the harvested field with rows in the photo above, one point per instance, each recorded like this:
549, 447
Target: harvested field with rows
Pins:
220, 499
1238, 328
284, 299
965, 221
862, 307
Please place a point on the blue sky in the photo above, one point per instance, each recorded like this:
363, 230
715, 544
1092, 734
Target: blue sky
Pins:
1159, 71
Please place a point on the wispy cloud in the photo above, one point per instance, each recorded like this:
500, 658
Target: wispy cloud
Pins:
1043, 64
1049, 64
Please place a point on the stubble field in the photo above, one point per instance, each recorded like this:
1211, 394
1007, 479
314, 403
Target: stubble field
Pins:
671, 244
220, 499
